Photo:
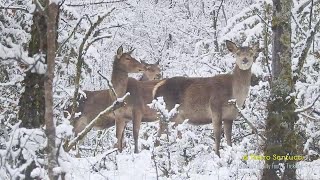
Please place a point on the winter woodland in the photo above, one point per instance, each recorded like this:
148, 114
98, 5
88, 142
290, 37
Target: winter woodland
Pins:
58, 55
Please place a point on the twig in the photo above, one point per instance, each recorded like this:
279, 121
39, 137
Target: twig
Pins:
15, 8
109, 84
116, 105
80, 60
308, 106
39, 7
298, 25
255, 130
65, 41
95, 3
97, 39
304, 52
155, 163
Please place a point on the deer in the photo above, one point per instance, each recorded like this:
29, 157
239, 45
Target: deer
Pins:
137, 110
204, 100
152, 72
97, 101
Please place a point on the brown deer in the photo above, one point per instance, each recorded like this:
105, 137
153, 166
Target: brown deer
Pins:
97, 101
137, 109
152, 72
204, 100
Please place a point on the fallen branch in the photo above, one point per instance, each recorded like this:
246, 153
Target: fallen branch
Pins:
116, 105
308, 106
255, 130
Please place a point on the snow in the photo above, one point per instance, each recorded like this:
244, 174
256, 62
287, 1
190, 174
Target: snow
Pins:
188, 52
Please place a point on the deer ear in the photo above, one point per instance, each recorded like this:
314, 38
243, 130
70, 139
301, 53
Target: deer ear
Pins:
130, 52
119, 52
148, 67
232, 47
143, 62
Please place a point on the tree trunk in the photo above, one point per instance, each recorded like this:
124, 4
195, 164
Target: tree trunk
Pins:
51, 54
281, 137
32, 100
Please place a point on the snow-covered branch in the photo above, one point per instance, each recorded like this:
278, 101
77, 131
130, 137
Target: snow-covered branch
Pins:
116, 105
308, 106
234, 102
303, 55
96, 3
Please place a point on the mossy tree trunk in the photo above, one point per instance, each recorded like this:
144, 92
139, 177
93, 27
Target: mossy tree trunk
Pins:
32, 101
280, 132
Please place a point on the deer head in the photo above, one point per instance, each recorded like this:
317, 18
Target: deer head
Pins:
126, 63
244, 55
153, 71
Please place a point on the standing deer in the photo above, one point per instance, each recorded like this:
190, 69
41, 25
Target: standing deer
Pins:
152, 72
97, 101
204, 100
137, 110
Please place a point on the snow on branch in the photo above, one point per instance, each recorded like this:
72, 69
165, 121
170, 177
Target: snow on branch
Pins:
160, 106
116, 105
35, 64
96, 3
303, 55
308, 106
20, 8
71, 34
234, 102
82, 51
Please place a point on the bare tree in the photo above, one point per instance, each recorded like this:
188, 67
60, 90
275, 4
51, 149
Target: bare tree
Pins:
280, 132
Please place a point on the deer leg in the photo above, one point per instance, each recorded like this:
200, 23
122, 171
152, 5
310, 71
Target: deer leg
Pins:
120, 125
227, 130
137, 116
217, 124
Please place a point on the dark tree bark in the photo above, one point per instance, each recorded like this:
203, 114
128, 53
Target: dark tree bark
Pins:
32, 101
281, 137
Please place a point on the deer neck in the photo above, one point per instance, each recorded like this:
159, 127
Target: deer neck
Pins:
119, 79
240, 84
144, 77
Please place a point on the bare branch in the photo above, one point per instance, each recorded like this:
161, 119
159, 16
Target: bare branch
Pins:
255, 130
308, 106
109, 84
15, 8
95, 3
298, 25
95, 40
303, 56
116, 105
72, 33
39, 6
80, 60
